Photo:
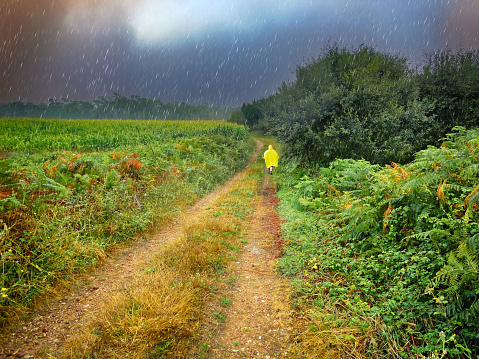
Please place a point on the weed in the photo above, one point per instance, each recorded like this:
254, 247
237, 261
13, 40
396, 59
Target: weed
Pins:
204, 349
231, 246
225, 301
219, 317
231, 281
160, 350
150, 269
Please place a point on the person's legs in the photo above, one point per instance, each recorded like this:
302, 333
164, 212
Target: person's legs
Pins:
271, 170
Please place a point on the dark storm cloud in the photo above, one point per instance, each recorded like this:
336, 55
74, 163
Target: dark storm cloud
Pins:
216, 52
25, 36
40, 50
462, 26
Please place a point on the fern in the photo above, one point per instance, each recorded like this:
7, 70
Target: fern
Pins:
42, 181
470, 172
472, 198
473, 310
9, 204
473, 242
426, 180
459, 188
459, 280
464, 310
428, 234
462, 267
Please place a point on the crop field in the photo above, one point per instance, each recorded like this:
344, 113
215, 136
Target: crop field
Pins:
70, 190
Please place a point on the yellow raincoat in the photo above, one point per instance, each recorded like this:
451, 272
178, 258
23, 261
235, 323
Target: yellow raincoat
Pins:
271, 157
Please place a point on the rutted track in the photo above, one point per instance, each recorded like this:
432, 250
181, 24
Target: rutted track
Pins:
47, 328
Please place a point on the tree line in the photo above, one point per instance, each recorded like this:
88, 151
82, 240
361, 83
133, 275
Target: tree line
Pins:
115, 106
364, 104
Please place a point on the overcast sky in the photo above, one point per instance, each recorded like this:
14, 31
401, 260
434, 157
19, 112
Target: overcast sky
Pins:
223, 52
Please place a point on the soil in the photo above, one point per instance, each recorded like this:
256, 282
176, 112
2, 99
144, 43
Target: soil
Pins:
257, 324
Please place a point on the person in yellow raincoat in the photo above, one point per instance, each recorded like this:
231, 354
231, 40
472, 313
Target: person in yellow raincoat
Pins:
271, 159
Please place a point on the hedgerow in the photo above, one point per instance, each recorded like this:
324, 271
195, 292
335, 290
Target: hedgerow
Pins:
391, 251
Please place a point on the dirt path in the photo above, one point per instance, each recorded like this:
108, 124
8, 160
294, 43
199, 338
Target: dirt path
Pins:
259, 305
258, 319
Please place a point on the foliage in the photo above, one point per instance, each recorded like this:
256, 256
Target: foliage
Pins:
62, 210
116, 106
237, 117
395, 244
347, 104
363, 104
252, 113
451, 81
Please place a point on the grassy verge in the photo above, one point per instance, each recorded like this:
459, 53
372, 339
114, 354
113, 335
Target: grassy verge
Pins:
327, 324
62, 211
385, 258
181, 293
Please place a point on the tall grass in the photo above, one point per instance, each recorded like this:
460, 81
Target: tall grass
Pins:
62, 210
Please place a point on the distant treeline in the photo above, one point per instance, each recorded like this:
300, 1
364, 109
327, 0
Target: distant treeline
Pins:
114, 107
361, 103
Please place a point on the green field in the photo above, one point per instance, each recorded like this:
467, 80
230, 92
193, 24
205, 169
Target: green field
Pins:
96, 135
72, 189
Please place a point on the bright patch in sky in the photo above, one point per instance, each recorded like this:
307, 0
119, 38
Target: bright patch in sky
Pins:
170, 21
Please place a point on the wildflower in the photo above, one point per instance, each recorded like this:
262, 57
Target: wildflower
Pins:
4, 295
4, 289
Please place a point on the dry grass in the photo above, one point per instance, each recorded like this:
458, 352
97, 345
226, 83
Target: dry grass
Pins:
329, 334
155, 311
161, 312
331, 328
